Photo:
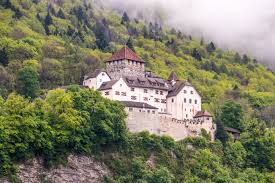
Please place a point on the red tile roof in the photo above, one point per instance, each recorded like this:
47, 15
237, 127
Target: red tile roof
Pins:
125, 53
202, 114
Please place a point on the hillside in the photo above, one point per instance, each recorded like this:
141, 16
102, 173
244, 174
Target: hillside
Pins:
46, 44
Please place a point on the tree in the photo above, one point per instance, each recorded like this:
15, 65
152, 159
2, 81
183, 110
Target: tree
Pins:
223, 69
47, 22
28, 82
235, 155
160, 175
125, 19
210, 47
102, 34
237, 58
52, 74
259, 144
221, 133
4, 60
130, 44
196, 54
232, 115
245, 59
61, 14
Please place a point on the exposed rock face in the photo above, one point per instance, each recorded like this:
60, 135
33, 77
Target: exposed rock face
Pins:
80, 169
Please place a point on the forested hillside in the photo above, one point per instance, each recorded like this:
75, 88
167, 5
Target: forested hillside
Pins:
46, 44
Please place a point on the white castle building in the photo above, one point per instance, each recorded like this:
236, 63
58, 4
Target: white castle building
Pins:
163, 107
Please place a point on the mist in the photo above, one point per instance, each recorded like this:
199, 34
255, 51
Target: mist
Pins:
246, 26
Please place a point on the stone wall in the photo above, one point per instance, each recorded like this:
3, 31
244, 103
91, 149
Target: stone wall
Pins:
139, 120
80, 169
117, 69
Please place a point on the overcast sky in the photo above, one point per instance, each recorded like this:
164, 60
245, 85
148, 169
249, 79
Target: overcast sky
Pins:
242, 25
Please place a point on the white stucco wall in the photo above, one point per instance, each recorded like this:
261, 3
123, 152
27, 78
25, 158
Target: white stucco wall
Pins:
95, 83
180, 106
154, 97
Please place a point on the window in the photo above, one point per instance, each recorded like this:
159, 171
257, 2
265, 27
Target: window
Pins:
157, 92
148, 111
156, 100
133, 97
172, 100
196, 101
145, 91
161, 92
117, 93
184, 91
107, 93
120, 85
100, 80
190, 101
145, 98
184, 100
163, 101
191, 92
140, 110
153, 112
132, 89
207, 118
186, 115
103, 74
123, 93
130, 109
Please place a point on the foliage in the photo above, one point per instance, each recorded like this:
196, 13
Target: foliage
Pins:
72, 38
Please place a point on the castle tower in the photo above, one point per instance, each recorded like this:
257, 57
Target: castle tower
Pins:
125, 62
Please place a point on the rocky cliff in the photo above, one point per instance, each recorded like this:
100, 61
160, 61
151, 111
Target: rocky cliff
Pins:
79, 169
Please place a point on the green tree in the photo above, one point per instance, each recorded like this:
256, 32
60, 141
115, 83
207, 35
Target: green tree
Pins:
210, 47
51, 74
232, 115
102, 34
28, 82
47, 22
259, 143
160, 175
196, 54
125, 19
61, 14
235, 155
130, 44
4, 60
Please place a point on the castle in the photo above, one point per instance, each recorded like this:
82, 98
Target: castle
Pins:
163, 107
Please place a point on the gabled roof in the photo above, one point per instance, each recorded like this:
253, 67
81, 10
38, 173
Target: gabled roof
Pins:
177, 88
95, 73
202, 114
137, 105
125, 53
107, 85
232, 130
173, 76
153, 83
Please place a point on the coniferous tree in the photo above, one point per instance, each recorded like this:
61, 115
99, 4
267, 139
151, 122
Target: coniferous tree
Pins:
196, 54
130, 44
223, 69
102, 34
237, 58
145, 32
61, 14
245, 59
210, 47
125, 19
47, 22
4, 57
